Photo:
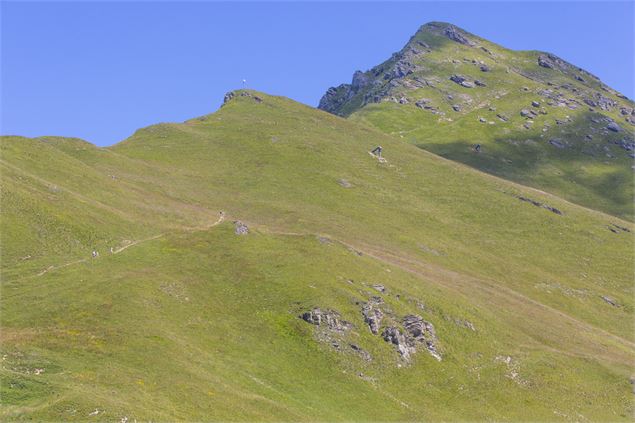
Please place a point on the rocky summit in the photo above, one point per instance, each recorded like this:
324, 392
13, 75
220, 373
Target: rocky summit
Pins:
535, 118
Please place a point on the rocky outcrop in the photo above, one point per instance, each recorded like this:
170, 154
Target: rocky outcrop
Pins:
373, 314
422, 332
417, 332
233, 94
539, 204
328, 319
393, 335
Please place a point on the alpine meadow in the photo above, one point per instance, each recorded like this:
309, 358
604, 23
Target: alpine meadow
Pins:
267, 262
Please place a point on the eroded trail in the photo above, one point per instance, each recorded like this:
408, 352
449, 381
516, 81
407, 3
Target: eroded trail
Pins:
123, 248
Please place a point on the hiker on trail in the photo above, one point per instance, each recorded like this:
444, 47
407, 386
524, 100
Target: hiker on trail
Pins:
477, 148
377, 151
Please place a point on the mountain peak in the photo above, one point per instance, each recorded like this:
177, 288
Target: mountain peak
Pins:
448, 30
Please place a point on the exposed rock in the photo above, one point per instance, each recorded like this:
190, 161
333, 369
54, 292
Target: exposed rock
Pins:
502, 117
482, 120
324, 240
480, 83
461, 81
228, 97
456, 107
241, 228
329, 319
373, 314
344, 183
379, 287
525, 113
484, 68
613, 127
394, 336
455, 34
609, 300
539, 204
365, 355
422, 103
556, 142
422, 332
535, 104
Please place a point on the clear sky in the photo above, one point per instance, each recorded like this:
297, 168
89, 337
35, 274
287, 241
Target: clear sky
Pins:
99, 71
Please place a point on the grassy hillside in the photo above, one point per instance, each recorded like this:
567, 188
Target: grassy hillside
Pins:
196, 322
538, 120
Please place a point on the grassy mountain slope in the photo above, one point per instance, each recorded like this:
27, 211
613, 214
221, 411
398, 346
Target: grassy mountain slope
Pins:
513, 290
538, 119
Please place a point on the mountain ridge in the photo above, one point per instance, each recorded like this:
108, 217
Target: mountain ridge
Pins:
260, 263
536, 119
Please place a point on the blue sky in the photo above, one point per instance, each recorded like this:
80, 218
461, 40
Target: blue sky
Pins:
99, 71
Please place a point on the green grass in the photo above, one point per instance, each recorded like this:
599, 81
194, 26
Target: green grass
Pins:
202, 324
595, 173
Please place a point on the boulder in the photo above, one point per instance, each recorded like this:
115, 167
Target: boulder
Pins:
240, 228
557, 143
613, 127
525, 113
461, 81
535, 104
609, 300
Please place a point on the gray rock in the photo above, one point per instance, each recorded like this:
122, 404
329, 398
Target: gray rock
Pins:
228, 97
422, 103
422, 332
557, 143
455, 34
379, 287
535, 104
613, 127
484, 68
456, 107
373, 314
502, 117
365, 355
461, 81
393, 335
609, 300
482, 120
329, 319
525, 113
344, 183
480, 83
240, 228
